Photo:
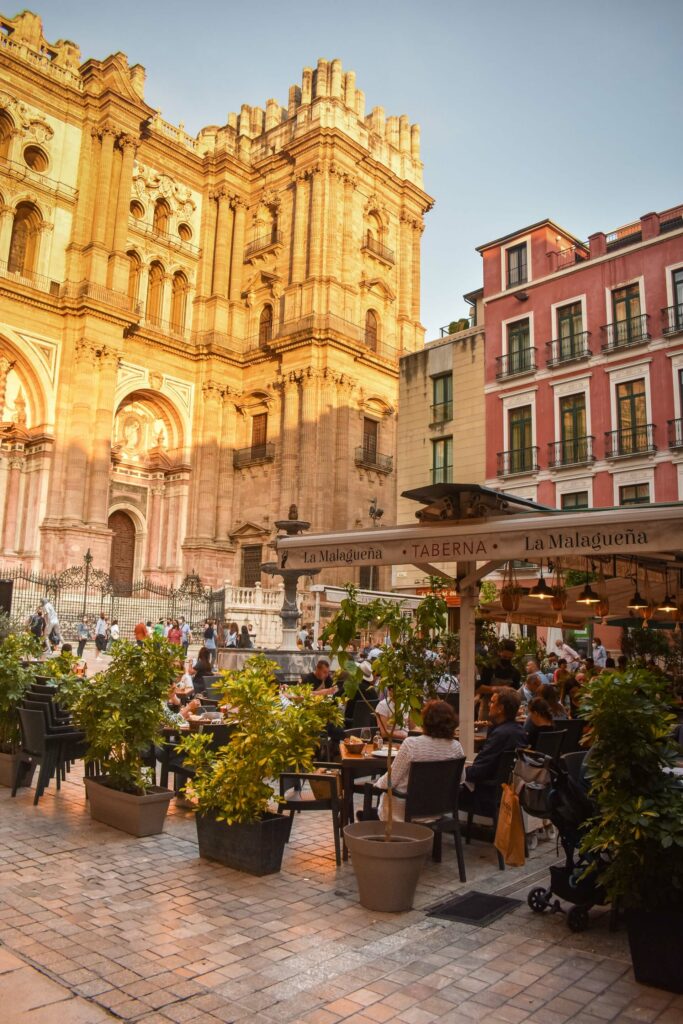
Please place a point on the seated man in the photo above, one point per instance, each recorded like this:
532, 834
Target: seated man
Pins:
320, 679
504, 734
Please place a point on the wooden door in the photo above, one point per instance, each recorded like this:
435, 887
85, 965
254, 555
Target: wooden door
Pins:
122, 552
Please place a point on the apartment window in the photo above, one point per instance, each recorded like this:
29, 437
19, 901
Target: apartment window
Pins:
574, 500
626, 314
632, 416
634, 494
442, 398
442, 461
569, 329
677, 292
516, 264
519, 351
370, 437
251, 565
259, 431
573, 428
520, 440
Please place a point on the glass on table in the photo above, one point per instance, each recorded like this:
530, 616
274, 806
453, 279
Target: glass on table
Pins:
366, 736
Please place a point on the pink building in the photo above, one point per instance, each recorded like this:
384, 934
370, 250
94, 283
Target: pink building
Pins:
584, 363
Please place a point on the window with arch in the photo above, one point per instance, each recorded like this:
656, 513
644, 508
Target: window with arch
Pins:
179, 287
371, 330
134, 269
36, 159
155, 292
6, 129
374, 231
265, 326
162, 215
23, 247
137, 210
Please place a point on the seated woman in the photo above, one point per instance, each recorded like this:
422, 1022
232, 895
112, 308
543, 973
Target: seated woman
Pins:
540, 720
202, 667
386, 720
549, 694
175, 713
437, 743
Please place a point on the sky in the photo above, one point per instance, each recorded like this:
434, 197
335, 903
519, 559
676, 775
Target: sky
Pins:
528, 109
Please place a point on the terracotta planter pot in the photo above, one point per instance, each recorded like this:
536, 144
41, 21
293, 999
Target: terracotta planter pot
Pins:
8, 763
137, 815
256, 848
388, 873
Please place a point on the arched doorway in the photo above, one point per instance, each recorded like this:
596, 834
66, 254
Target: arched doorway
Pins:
122, 552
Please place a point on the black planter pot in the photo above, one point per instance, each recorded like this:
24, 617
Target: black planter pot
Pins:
656, 941
256, 848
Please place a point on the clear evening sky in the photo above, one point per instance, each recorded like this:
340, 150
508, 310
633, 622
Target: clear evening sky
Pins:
528, 109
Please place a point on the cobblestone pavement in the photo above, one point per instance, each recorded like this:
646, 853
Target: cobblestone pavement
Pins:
142, 929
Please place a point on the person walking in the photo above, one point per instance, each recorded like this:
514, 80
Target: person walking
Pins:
244, 640
101, 631
140, 633
51, 634
185, 635
210, 639
114, 634
82, 635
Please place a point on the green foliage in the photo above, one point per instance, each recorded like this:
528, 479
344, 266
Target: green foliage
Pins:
488, 592
640, 823
525, 647
14, 681
402, 664
640, 644
232, 783
62, 670
120, 709
458, 325
577, 577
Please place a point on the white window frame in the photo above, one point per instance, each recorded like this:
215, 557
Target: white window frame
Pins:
622, 374
640, 281
514, 320
571, 486
631, 477
669, 271
676, 368
517, 401
563, 389
524, 240
567, 302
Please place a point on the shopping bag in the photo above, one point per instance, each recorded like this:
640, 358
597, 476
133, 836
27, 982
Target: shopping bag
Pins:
509, 839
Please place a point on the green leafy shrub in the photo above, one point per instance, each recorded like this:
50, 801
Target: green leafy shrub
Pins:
14, 681
640, 824
234, 782
120, 710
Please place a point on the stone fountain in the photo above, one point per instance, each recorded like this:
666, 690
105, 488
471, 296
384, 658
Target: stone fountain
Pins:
293, 662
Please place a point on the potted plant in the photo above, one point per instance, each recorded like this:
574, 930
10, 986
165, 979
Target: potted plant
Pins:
233, 785
120, 711
15, 679
638, 833
387, 856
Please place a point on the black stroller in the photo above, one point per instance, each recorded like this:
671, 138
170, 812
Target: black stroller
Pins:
554, 792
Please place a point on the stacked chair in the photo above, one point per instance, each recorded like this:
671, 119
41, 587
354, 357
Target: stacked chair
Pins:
48, 738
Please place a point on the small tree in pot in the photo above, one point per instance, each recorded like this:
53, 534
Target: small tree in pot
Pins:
121, 713
233, 785
639, 830
14, 681
402, 668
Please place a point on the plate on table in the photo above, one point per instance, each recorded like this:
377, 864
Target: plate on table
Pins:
384, 752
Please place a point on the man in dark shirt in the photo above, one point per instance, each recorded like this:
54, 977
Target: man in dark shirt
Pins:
505, 733
320, 679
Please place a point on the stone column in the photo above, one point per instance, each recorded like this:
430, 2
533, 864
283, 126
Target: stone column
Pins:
348, 255
224, 230
166, 299
100, 430
172, 558
43, 255
143, 284
308, 441
6, 222
127, 145
87, 182
205, 485
71, 501
316, 232
16, 465
405, 260
98, 264
153, 524
415, 290
226, 470
5, 367
300, 227
207, 242
237, 259
334, 233
289, 433
322, 513
343, 456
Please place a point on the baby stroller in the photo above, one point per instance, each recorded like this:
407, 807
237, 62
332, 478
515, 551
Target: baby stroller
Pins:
555, 792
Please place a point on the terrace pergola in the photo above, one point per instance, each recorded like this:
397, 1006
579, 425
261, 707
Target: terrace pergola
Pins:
482, 529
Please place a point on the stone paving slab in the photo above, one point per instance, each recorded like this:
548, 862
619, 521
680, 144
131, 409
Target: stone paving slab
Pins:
142, 930
29, 997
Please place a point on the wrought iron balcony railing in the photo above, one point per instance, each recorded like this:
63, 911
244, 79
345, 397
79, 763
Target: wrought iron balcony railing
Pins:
518, 460
522, 360
573, 451
442, 412
675, 429
623, 333
254, 455
369, 458
568, 350
673, 319
442, 474
637, 440
264, 242
378, 249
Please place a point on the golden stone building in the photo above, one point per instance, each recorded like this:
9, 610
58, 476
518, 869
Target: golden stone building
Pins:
195, 333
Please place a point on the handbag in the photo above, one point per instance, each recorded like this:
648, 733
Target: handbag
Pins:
532, 781
509, 840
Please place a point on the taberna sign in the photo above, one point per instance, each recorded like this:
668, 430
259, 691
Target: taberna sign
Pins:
611, 532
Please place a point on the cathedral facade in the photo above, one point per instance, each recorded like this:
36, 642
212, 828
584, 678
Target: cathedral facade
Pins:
195, 332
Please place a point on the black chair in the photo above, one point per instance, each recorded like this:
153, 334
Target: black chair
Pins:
433, 794
364, 715
220, 737
298, 800
573, 731
71, 741
573, 762
486, 799
550, 743
36, 747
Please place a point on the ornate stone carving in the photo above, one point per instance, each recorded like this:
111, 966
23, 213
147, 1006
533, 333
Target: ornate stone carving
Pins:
155, 380
270, 198
28, 121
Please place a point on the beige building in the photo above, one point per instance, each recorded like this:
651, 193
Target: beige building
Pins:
441, 429
195, 332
